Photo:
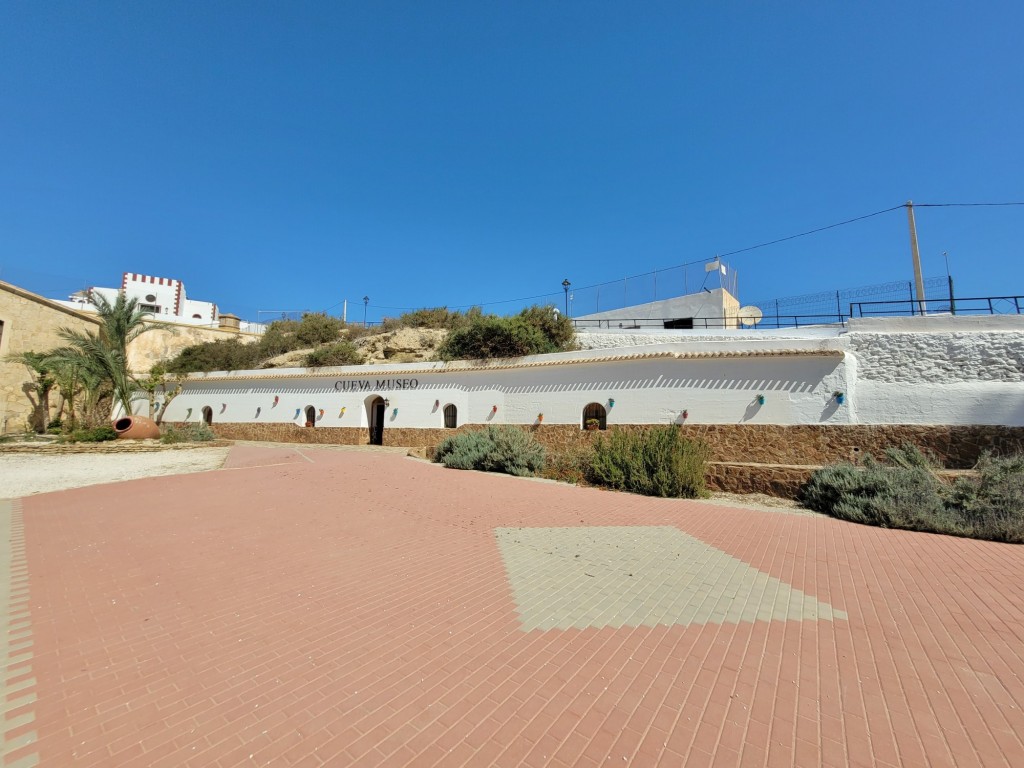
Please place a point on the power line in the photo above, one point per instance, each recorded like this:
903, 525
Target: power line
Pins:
727, 253
813, 231
960, 205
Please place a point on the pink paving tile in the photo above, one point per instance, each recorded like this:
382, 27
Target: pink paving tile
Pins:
304, 605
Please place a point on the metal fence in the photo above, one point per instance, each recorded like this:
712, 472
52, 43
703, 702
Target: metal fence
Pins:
835, 308
983, 305
650, 286
836, 304
710, 323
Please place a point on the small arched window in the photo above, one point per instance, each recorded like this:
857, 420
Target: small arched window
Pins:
451, 416
595, 417
208, 414
310, 416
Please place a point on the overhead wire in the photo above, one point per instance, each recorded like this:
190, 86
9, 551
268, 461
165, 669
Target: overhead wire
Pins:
719, 255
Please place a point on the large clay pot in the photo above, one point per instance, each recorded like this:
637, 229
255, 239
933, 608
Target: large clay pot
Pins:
136, 428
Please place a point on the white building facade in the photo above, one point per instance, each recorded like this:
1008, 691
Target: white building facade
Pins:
924, 371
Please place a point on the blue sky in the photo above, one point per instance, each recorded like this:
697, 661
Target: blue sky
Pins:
290, 155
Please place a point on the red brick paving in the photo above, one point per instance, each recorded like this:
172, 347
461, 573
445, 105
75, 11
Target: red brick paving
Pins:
317, 607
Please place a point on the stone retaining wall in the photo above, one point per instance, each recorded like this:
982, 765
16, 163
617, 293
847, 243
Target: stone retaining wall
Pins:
112, 446
956, 447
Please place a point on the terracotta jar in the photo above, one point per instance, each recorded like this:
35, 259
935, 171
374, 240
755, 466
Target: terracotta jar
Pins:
136, 428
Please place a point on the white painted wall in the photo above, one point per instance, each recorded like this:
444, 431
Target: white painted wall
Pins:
165, 293
711, 304
919, 374
713, 390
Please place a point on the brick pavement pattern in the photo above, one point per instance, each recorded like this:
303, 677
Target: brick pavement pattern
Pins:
303, 606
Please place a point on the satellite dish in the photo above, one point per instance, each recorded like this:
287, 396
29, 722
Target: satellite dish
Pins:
749, 315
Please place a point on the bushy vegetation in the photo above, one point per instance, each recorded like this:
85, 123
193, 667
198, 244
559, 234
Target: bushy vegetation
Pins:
318, 328
222, 355
655, 462
494, 449
339, 353
100, 434
473, 336
435, 317
570, 464
186, 433
907, 493
534, 331
315, 329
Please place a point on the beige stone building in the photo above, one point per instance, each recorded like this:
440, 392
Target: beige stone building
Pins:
30, 323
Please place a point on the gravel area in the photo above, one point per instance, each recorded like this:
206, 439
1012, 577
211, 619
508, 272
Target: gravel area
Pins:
23, 474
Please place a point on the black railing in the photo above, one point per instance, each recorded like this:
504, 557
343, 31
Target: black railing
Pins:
708, 323
983, 305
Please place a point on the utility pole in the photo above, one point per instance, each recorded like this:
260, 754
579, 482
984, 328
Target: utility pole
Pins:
366, 301
565, 287
916, 256
949, 279
344, 310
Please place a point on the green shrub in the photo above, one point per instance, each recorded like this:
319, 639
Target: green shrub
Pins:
494, 449
318, 328
55, 427
278, 338
556, 327
230, 355
100, 434
492, 337
876, 494
534, 331
907, 493
186, 433
569, 465
339, 353
655, 462
992, 501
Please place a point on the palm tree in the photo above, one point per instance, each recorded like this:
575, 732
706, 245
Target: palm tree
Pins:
75, 373
43, 380
106, 350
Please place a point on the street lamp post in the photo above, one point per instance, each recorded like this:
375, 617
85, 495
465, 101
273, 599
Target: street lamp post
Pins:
366, 300
565, 287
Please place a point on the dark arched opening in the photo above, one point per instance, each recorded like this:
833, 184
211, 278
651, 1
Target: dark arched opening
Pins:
310, 416
451, 416
595, 416
208, 414
375, 411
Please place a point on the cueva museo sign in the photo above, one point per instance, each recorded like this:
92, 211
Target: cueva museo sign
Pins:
369, 385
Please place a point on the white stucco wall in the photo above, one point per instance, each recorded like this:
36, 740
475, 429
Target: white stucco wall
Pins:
711, 304
939, 370
935, 371
797, 387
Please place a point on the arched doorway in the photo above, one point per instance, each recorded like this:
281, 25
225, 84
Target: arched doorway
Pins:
595, 416
208, 414
375, 418
310, 416
451, 416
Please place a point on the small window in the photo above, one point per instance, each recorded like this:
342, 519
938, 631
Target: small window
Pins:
451, 416
595, 417
151, 297
151, 308
208, 414
197, 317
682, 323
